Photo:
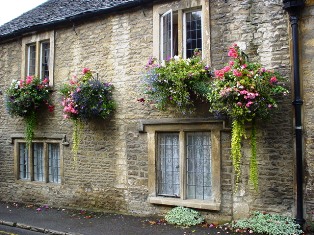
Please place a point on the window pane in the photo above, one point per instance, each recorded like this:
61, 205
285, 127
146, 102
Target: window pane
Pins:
31, 60
193, 32
166, 26
198, 165
168, 168
24, 161
54, 163
44, 60
38, 152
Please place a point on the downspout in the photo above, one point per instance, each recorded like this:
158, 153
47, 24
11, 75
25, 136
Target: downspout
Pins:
293, 7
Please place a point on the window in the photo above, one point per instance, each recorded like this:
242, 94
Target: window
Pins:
180, 28
184, 164
38, 55
40, 162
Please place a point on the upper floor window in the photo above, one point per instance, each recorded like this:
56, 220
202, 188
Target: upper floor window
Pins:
38, 54
192, 33
180, 29
40, 162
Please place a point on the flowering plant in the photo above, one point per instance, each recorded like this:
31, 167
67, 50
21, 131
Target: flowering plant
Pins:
24, 98
85, 98
245, 91
176, 83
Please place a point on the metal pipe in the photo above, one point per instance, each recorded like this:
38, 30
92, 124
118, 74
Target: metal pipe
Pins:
293, 8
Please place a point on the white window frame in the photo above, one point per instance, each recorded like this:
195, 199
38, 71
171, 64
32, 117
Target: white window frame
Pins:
41, 59
152, 130
31, 176
162, 33
38, 39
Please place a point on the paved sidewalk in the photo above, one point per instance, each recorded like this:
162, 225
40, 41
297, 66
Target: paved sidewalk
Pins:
69, 222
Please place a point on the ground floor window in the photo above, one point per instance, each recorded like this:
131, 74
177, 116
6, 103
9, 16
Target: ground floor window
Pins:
41, 161
184, 164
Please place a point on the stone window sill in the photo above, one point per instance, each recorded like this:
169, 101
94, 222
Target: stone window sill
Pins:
192, 203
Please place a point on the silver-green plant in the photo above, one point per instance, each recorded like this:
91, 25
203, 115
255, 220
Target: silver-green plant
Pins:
184, 217
272, 224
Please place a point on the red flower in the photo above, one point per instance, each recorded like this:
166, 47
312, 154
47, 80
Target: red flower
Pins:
85, 70
51, 108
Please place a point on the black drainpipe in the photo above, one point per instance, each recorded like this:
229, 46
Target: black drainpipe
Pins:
293, 7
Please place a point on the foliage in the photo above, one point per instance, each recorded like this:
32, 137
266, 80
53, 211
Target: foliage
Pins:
85, 98
246, 92
272, 224
25, 98
183, 216
176, 83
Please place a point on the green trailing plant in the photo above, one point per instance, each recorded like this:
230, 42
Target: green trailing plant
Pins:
176, 83
184, 217
272, 224
246, 92
85, 98
26, 98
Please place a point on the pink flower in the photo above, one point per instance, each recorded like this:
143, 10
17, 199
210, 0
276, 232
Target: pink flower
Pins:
219, 73
237, 73
233, 52
243, 66
249, 104
244, 92
269, 106
46, 81
226, 69
231, 63
29, 80
86, 70
273, 80
239, 104
78, 89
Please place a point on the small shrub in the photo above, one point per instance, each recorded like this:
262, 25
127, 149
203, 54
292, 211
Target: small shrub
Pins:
271, 224
183, 216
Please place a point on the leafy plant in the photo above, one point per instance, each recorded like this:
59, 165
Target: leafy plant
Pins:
246, 92
272, 224
183, 216
25, 98
85, 98
176, 83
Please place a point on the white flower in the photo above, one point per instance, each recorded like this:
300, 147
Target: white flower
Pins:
176, 57
163, 63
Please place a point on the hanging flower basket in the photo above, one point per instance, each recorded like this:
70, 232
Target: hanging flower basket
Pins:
25, 98
86, 98
246, 92
176, 83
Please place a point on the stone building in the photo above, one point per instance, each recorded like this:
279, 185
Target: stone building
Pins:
116, 165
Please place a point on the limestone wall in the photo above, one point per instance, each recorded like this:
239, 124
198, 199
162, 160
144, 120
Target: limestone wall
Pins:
111, 170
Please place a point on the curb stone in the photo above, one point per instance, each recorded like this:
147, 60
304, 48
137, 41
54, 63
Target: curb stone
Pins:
35, 229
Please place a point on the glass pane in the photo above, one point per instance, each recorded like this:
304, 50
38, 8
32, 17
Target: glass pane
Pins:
193, 32
44, 69
168, 167
199, 178
54, 163
24, 161
38, 152
166, 25
31, 60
